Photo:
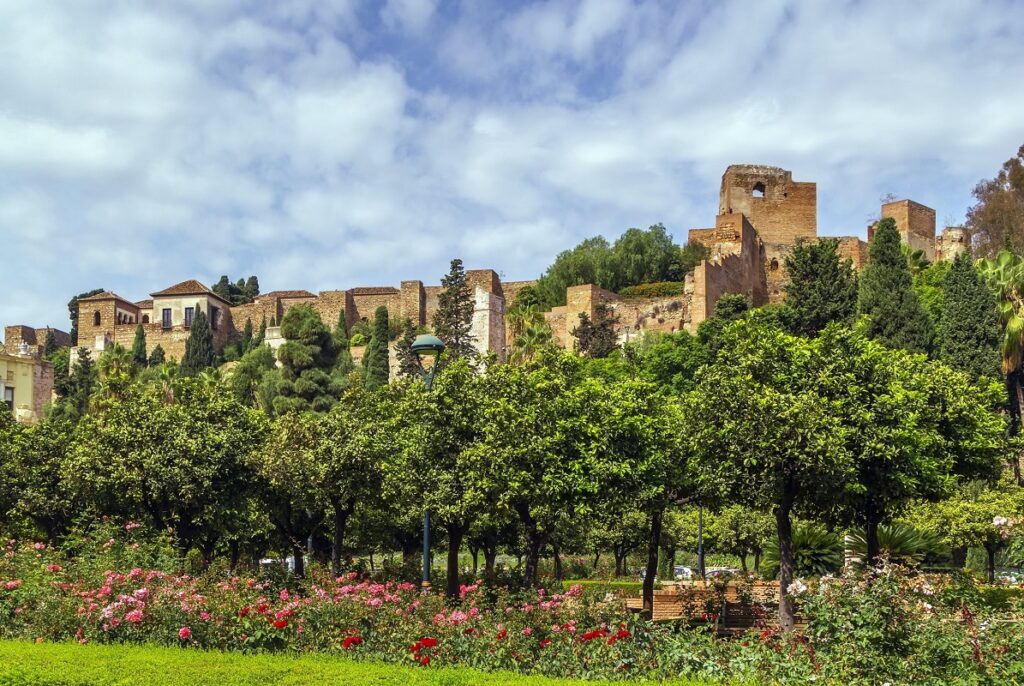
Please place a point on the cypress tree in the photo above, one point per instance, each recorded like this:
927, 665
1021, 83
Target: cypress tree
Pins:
139, 347
968, 329
455, 313
886, 296
252, 288
261, 335
596, 338
375, 361
157, 357
408, 366
199, 352
246, 343
49, 345
821, 289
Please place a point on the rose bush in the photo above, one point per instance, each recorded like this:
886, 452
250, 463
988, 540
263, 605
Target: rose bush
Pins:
883, 624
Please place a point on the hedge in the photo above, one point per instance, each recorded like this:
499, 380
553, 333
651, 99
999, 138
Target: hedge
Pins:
602, 587
70, 664
657, 289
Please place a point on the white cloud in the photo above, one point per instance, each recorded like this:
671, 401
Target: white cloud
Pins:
143, 145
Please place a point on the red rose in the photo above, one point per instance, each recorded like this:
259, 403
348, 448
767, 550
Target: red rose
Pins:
428, 642
502, 634
351, 641
467, 631
281, 623
425, 661
243, 612
545, 643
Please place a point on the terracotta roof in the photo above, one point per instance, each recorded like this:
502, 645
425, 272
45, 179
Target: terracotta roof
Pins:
190, 287
286, 294
374, 290
106, 295
144, 304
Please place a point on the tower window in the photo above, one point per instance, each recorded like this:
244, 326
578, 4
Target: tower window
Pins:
758, 191
774, 265
96, 318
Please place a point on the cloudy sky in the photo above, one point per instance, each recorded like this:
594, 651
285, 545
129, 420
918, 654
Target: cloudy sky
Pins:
328, 144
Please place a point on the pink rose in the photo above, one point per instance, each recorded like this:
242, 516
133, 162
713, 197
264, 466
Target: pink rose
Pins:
184, 633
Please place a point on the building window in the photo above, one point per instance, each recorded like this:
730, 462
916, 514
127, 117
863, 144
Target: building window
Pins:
145, 319
166, 318
189, 311
214, 317
774, 265
9, 398
758, 191
96, 318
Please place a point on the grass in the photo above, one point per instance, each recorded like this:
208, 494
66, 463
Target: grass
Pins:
70, 664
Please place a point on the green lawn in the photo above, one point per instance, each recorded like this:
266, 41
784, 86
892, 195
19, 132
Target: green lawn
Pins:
70, 664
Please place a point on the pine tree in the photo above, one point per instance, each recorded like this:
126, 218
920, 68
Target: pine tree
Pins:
885, 295
157, 357
223, 288
968, 329
252, 288
455, 314
596, 338
199, 352
408, 366
246, 342
345, 364
139, 347
821, 289
49, 345
375, 360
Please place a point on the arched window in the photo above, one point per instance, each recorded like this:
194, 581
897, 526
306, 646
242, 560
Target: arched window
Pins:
145, 319
758, 191
774, 265
96, 318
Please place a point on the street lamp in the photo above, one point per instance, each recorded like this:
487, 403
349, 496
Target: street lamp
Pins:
427, 348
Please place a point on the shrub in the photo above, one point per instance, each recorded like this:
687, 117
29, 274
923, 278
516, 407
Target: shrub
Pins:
658, 289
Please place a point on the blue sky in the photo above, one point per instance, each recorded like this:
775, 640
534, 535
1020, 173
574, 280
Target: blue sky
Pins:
324, 144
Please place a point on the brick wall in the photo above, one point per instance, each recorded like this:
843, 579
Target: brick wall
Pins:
788, 209
739, 272
413, 302
855, 249
916, 224
87, 330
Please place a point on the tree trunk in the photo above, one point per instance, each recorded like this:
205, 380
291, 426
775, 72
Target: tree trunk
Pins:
597, 559
235, 553
620, 560
535, 540
490, 557
652, 563
474, 552
341, 515
787, 618
409, 548
298, 555
671, 554
743, 562
1015, 396
871, 536
451, 589
558, 562
757, 559
991, 553
959, 556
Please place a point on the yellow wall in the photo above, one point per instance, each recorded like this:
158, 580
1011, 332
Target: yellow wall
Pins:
19, 373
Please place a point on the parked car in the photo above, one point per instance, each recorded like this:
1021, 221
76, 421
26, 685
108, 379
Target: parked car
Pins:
683, 572
721, 571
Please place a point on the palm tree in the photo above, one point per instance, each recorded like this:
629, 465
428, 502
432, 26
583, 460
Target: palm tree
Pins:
902, 543
529, 331
166, 376
816, 552
916, 261
1005, 276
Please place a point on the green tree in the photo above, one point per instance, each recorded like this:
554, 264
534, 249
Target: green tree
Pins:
439, 433
42, 495
454, 314
766, 439
252, 288
588, 262
597, 338
408, 366
910, 425
730, 307
821, 289
157, 357
968, 330
139, 348
376, 362
671, 360
248, 374
328, 461
528, 329
79, 387
895, 317
691, 255
997, 218
742, 532
307, 358
180, 464
199, 351
261, 335
246, 343
73, 311
640, 256
929, 288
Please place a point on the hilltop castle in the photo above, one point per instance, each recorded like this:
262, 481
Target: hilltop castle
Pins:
762, 213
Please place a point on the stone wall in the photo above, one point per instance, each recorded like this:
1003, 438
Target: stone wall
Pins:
728, 271
854, 249
487, 328
413, 302
365, 302
953, 241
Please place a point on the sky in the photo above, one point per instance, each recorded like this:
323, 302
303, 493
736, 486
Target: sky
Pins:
327, 144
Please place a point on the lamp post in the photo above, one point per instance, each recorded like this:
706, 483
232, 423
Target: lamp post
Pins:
427, 347
700, 541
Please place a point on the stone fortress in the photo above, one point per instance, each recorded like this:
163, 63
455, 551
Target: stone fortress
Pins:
762, 214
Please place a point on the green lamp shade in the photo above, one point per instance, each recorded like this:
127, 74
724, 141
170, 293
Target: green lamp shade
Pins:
427, 345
